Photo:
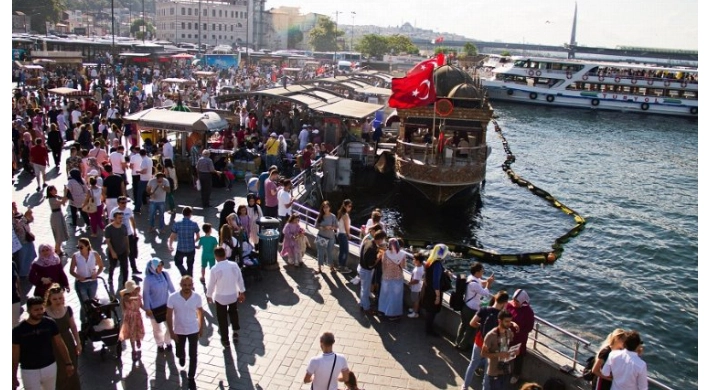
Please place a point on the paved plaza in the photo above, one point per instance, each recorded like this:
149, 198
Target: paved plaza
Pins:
281, 321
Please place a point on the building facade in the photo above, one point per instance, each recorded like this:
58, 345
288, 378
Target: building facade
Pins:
282, 21
202, 21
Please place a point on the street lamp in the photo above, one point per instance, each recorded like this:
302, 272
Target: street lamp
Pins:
352, 31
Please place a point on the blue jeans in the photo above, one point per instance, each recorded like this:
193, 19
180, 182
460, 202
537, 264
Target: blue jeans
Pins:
325, 253
160, 208
140, 190
365, 284
476, 361
85, 290
496, 383
344, 247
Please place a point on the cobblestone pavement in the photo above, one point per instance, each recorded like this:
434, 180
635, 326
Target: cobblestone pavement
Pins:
281, 320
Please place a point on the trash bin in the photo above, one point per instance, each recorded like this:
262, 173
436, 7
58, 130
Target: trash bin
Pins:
268, 223
268, 248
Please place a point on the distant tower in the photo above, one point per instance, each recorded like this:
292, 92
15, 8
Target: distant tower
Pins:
573, 38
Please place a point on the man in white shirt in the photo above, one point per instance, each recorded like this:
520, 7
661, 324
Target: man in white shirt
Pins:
285, 199
168, 152
626, 367
225, 288
146, 173
111, 112
118, 162
476, 289
184, 317
303, 137
75, 115
326, 370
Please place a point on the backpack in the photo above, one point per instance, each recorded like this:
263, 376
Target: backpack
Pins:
445, 282
587, 373
456, 300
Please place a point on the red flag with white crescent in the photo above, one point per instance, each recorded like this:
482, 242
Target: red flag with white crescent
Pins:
416, 88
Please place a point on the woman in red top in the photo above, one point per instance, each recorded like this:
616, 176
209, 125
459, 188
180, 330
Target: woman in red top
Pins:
39, 157
524, 317
47, 269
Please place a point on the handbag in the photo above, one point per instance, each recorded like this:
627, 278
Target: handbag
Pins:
159, 313
90, 206
29, 237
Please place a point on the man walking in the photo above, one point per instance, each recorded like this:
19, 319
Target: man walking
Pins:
476, 289
184, 316
186, 232
225, 288
114, 186
205, 169
495, 348
39, 157
118, 248
157, 189
32, 342
370, 255
146, 173
130, 223
271, 200
626, 366
327, 369
285, 199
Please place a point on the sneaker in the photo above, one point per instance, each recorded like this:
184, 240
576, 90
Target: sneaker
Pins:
513, 380
345, 270
413, 315
181, 361
478, 372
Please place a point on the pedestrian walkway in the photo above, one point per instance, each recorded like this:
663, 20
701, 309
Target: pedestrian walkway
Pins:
281, 321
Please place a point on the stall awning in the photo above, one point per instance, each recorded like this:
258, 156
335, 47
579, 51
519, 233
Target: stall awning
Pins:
64, 91
374, 91
350, 108
178, 121
134, 54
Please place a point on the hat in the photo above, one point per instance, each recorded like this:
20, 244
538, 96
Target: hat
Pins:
273, 135
130, 286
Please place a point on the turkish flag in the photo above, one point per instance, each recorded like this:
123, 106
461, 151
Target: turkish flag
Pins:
416, 88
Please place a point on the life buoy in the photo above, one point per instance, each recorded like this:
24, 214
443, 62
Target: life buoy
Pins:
601, 78
634, 81
644, 106
509, 92
694, 110
667, 83
617, 79
538, 73
585, 77
649, 81
569, 75
595, 102
531, 72
533, 95
550, 98
683, 84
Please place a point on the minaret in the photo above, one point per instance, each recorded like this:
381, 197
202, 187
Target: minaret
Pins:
573, 38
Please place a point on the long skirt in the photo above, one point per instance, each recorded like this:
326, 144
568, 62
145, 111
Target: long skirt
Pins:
391, 301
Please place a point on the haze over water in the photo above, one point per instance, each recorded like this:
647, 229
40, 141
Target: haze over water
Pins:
635, 180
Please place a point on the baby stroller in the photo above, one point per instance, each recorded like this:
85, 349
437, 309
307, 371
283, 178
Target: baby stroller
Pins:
249, 262
102, 322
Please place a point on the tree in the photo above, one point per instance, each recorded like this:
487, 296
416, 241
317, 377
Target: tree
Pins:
444, 49
401, 44
136, 27
295, 36
373, 45
323, 37
39, 12
470, 49
505, 53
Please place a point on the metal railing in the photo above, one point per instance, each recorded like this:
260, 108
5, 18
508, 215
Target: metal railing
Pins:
452, 155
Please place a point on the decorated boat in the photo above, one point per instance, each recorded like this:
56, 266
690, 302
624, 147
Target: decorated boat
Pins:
596, 85
441, 147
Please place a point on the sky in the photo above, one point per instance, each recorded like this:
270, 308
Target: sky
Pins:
606, 23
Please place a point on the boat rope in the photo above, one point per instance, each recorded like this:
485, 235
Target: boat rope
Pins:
557, 246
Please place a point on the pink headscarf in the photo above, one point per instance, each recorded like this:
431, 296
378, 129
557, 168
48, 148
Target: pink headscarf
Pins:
47, 261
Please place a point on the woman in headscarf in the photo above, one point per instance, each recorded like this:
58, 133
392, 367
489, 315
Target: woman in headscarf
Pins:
392, 287
157, 286
227, 209
254, 213
78, 192
47, 269
432, 298
524, 317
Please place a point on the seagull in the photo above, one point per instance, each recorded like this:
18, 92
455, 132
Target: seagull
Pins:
548, 22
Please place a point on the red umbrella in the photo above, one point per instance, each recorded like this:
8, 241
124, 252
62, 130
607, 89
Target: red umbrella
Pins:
183, 56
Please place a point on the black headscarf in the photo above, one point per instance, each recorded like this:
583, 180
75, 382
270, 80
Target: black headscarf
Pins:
227, 209
250, 196
76, 175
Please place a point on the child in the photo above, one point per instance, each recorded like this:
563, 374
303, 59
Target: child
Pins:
415, 285
208, 243
291, 232
351, 382
132, 326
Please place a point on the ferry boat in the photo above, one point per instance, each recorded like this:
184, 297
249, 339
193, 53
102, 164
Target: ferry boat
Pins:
441, 149
596, 85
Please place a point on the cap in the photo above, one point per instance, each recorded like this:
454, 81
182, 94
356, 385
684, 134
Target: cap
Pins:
273, 135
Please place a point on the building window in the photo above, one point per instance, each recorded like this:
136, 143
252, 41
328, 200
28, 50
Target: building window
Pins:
197, 12
214, 13
239, 25
183, 35
172, 26
213, 36
183, 26
220, 13
231, 28
197, 27
189, 26
204, 26
189, 35
204, 36
182, 12
172, 11
204, 12
213, 27
189, 11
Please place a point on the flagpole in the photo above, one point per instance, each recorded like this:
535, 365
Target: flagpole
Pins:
433, 123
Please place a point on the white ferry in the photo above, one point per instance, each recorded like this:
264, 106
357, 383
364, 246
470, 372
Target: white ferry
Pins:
596, 85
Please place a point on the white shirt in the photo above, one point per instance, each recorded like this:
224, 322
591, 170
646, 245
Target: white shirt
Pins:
135, 162
628, 370
474, 293
185, 312
85, 267
225, 283
75, 115
168, 150
417, 274
146, 168
116, 159
303, 138
321, 366
228, 249
284, 198
111, 113
127, 217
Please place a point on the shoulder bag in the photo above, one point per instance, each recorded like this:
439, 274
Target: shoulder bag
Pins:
330, 378
90, 206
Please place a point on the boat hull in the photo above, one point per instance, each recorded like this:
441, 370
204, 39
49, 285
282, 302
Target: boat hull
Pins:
440, 195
